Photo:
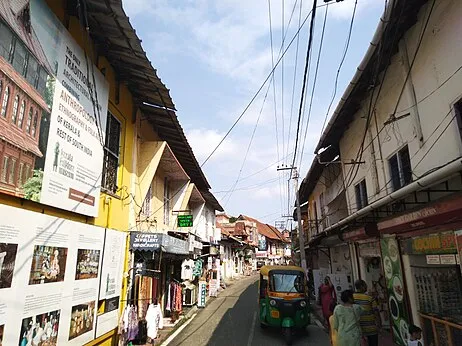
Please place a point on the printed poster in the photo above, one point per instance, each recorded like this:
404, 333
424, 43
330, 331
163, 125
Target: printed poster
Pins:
396, 291
61, 123
111, 282
50, 270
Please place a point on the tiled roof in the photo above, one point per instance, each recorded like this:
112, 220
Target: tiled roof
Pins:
10, 12
263, 228
12, 134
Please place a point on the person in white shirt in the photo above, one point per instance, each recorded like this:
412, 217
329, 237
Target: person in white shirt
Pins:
415, 336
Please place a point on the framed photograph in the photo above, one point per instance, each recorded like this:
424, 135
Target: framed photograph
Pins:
87, 264
48, 264
82, 318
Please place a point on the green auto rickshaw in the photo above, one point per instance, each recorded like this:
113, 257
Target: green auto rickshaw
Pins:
283, 299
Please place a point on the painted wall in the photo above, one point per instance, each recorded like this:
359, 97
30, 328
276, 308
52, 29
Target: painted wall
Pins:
435, 98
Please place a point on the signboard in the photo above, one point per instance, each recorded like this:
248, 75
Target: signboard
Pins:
432, 244
174, 245
51, 277
202, 294
145, 241
213, 288
68, 135
370, 249
396, 291
448, 259
185, 220
261, 254
433, 259
262, 242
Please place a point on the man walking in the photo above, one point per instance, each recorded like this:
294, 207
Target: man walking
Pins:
370, 318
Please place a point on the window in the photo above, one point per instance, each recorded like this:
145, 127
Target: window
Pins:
12, 171
361, 195
4, 168
111, 154
42, 81
6, 39
21, 174
400, 168
34, 124
21, 113
146, 207
29, 119
167, 202
6, 98
32, 70
27, 173
19, 57
14, 115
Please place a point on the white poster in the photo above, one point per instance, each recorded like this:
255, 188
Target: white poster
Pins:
69, 129
50, 276
111, 282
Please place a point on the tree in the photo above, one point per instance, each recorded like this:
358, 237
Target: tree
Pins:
33, 186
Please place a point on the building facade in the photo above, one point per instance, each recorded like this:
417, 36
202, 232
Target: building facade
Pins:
384, 189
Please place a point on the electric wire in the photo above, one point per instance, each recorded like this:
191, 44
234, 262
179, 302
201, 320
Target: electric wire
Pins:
314, 86
345, 51
259, 89
310, 42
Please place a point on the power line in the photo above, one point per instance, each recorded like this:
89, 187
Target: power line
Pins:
347, 45
260, 88
310, 42
314, 86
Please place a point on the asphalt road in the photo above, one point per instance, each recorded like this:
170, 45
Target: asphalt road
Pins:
231, 319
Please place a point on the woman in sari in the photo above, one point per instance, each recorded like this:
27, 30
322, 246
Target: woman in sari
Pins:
327, 298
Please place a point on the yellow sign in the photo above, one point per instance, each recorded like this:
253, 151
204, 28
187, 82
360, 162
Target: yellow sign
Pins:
274, 314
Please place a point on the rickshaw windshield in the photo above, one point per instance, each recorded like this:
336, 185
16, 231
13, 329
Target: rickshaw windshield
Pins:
287, 282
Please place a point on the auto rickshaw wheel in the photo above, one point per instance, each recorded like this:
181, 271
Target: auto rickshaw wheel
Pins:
287, 335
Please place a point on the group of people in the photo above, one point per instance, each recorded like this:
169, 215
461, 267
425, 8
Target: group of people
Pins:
355, 322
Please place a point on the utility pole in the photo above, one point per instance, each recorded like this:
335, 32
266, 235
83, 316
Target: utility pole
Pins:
301, 235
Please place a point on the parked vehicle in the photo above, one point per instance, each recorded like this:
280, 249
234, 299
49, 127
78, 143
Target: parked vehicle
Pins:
283, 299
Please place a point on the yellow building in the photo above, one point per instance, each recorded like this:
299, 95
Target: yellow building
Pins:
107, 155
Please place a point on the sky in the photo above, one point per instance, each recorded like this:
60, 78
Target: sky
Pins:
214, 55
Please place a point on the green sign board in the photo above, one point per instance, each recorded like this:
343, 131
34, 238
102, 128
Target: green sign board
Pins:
185, 220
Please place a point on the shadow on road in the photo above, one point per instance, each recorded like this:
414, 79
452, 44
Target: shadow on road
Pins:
240, 326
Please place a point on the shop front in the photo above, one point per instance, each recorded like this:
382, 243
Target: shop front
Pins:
424, 243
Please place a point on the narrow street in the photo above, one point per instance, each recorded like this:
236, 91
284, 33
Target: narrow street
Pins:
232, 319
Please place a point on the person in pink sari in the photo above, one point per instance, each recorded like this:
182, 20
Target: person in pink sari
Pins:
327, 298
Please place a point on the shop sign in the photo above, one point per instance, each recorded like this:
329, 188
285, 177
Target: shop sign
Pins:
431, 244
174, 245
261, 254
448, 259
213, 250
213, 288
145, 241
202, 294
370, 249
185, 220
395, 288
433, 259
261, 242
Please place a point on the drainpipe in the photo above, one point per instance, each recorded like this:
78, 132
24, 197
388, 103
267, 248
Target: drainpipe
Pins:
427, 180
410, 91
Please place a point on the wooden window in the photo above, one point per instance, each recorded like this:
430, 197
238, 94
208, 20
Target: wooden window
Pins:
6, 40
4, 168
29, 119
12, 172
361, 194
34, 124
42, 81
6, 98
19, 57
400, 168
14, 115
21, 113
32, 70
21, 174
111, 153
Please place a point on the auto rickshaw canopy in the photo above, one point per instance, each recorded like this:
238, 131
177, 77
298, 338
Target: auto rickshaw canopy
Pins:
266, 269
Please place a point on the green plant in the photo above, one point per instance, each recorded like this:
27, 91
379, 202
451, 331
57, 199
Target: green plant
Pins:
33, 186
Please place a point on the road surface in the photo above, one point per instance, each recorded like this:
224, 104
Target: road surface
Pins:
231, 319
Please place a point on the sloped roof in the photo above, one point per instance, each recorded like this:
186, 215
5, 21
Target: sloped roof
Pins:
263, 228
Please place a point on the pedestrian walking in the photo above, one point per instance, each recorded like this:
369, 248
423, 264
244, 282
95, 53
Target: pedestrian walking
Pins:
346, 327
327, 299
370, 318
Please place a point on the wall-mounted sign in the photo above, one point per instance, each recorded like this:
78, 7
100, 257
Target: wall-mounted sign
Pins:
448, 259
261, 254
432, 244
202, 294
145, 241
433, 259
185, 220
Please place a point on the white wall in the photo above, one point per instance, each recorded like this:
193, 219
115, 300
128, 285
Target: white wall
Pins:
440, 55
